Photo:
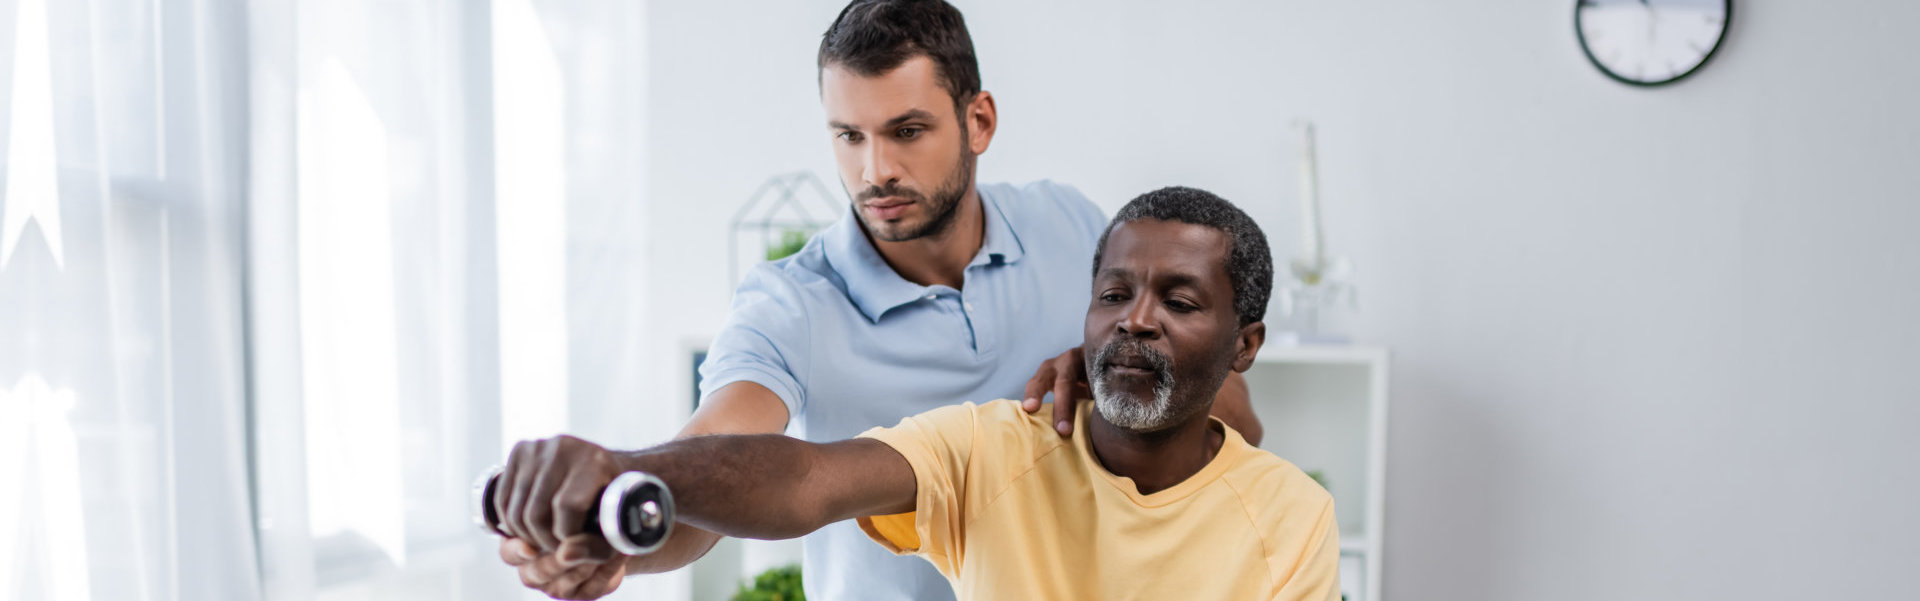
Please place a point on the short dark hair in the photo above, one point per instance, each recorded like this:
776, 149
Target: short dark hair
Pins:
872, 37
1249, 261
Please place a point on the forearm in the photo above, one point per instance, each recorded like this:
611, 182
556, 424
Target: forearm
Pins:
748, 486
737, 408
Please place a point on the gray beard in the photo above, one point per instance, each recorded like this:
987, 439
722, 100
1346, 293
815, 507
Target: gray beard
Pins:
1126, 412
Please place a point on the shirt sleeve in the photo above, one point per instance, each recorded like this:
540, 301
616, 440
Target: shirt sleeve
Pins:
1317, 575
765, 340
938, 444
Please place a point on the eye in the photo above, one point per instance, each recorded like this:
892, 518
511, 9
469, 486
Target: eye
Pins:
1112, 297
849, 136
1181, 306
909, 133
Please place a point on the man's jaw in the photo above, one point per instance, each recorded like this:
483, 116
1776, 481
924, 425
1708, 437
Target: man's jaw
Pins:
1124, 406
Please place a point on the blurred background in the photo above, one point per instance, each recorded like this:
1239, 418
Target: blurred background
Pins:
278, 278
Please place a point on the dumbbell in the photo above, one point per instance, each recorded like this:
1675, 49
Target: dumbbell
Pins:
634, 512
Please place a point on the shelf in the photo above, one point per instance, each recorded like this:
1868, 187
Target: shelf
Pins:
1353, 544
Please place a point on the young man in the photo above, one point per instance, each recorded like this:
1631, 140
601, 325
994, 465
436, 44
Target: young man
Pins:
1155, 500
930, 291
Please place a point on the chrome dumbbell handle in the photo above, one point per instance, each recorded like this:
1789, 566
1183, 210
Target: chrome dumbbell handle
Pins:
634, 512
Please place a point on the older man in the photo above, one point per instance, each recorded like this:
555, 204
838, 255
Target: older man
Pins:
1157, 501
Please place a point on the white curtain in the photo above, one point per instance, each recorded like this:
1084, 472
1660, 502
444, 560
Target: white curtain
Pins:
123, 444
279, 277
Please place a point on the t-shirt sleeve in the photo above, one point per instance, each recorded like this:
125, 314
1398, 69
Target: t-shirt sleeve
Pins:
1316, 575
938, 444
765, 340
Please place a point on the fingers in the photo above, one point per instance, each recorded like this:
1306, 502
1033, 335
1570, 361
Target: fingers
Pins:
1064, 400
589, 581
1069, 378
571, 502
516, 553
593, 572
538, 502
518, 465
542, 572
586, 548
1037, 386
547, 488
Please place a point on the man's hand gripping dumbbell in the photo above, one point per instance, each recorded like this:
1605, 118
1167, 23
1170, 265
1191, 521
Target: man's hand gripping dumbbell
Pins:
548, 498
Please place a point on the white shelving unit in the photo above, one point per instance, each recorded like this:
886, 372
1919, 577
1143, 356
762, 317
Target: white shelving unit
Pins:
1324, 408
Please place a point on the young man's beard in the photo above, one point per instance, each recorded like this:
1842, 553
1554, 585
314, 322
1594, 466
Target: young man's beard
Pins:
943, 206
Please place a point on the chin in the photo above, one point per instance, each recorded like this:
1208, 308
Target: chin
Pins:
1132, 413
891, 231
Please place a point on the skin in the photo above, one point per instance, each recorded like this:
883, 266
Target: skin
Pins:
1165, 285
1167, 288
900, 133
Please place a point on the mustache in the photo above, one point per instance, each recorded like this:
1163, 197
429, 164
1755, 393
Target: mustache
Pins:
891, 189
1129, 347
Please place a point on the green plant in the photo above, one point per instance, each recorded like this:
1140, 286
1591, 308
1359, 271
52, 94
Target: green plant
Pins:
791, 241
777, 584
1319, 477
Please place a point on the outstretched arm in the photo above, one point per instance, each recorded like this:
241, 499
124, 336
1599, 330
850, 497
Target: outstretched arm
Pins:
752, 486
771, 486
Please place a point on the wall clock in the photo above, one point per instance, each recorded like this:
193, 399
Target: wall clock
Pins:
1651, 42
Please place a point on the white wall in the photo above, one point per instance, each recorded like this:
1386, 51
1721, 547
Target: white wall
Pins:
1649, 344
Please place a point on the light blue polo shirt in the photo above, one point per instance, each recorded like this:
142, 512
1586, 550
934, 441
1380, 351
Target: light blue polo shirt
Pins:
849, 345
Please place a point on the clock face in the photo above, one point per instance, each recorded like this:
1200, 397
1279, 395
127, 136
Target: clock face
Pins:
1651, 42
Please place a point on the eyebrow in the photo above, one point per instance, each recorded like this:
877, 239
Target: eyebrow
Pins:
1170, 280
891, 123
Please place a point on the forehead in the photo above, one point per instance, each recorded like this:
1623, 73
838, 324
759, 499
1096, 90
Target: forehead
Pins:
860, 100
1162, 248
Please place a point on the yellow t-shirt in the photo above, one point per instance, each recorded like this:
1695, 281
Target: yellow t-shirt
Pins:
1007, 509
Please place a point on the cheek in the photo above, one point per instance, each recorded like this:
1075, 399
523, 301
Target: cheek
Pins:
1202, 355
934, 154
849, 163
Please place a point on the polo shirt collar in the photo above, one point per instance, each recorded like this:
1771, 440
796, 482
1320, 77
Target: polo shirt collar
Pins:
873, 285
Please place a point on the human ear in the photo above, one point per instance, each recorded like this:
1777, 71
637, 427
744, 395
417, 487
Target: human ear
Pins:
1247, 344
981, 119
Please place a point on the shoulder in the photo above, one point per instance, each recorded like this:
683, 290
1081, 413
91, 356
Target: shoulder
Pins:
1003, 425
1008, 415
778, 302
1259, 473
1282, 502
1049, 204
1006, 434
805, 270
793, 283
997, 418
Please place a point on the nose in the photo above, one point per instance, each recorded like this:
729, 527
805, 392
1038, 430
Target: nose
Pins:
878, 168
1140, 320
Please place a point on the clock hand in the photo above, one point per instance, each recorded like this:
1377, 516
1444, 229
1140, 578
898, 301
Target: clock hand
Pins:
1653, 17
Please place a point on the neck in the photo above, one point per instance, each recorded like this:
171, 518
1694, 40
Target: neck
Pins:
941, 258
1155, 461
